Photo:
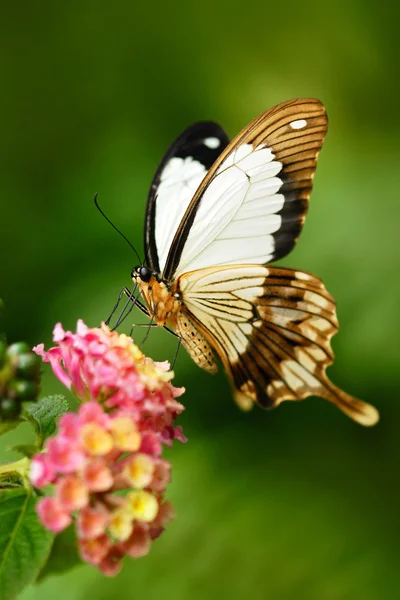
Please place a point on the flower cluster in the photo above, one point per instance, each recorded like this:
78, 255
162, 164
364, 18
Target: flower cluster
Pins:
100, 364
104, 463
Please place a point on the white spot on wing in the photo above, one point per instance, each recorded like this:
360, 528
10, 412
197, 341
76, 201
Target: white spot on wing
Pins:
303, 276
297, 376
251, 293
317, 353
316, 299
305, 359
247, 328
299, 124
212, 143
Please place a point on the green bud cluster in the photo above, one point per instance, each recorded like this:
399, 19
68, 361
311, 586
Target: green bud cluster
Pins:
19, 378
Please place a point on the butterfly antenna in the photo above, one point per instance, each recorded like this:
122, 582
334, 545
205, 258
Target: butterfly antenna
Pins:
116, 228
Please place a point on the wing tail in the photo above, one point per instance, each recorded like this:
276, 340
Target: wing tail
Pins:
356, 409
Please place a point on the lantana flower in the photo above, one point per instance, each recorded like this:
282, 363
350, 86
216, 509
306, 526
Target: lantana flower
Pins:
104, 464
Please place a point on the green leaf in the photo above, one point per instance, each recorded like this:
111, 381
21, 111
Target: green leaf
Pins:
11, 480
45, 414
15, 474
6, 426
63, 556
24, 543
25, 449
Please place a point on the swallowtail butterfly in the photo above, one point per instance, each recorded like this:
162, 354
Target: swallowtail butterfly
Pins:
218, 214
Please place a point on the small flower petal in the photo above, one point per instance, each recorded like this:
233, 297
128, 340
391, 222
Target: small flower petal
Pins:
161, 475
64, 456
69, 426
71, 493
111, 564
97, 476
139, 470
142, 505
95, 440
92, 412
125, 434
138, 544
52, 515
95, 550
41, 470
92, 522
121, 524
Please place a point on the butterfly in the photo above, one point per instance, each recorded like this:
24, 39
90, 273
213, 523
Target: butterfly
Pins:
218, 214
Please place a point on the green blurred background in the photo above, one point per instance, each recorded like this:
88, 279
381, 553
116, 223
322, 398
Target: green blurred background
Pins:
298, 503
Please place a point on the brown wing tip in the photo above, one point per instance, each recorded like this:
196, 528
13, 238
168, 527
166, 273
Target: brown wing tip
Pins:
361, 412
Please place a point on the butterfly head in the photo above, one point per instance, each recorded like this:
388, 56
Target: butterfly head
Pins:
161, 302
141, 273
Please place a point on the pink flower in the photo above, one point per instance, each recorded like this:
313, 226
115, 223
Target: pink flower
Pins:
139, 543
71, 493
99, 364
113, 443
97, 476
92, 522
63, 456
41, 470
161, 475
94, 550
52, 515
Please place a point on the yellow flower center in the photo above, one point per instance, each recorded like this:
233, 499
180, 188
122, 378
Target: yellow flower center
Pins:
96, 440
142, 506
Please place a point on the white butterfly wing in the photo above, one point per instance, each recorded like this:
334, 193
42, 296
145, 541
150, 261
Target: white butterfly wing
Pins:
238, 213
251, 205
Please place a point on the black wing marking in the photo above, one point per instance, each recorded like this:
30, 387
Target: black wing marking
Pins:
191, 143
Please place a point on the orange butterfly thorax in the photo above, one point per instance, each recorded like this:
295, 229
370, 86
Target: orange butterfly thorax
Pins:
161, 302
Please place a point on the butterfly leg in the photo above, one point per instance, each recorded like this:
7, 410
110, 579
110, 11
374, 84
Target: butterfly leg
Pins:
128, 306
176, 353
144, 310
122, 292
135, 325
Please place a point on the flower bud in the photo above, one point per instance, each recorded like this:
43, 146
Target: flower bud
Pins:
28, 365
10, 409
17, 348
23, 389
3, 349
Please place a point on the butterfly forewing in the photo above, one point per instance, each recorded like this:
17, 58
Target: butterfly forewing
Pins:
174, 184
271, 328
250, 207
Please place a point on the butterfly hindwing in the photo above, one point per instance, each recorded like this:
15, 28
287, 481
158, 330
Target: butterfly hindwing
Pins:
180, 173
251, 204
272, 328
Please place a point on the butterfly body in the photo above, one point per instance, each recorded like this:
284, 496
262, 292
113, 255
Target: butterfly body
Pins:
162, 303
218, 214
165, 307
